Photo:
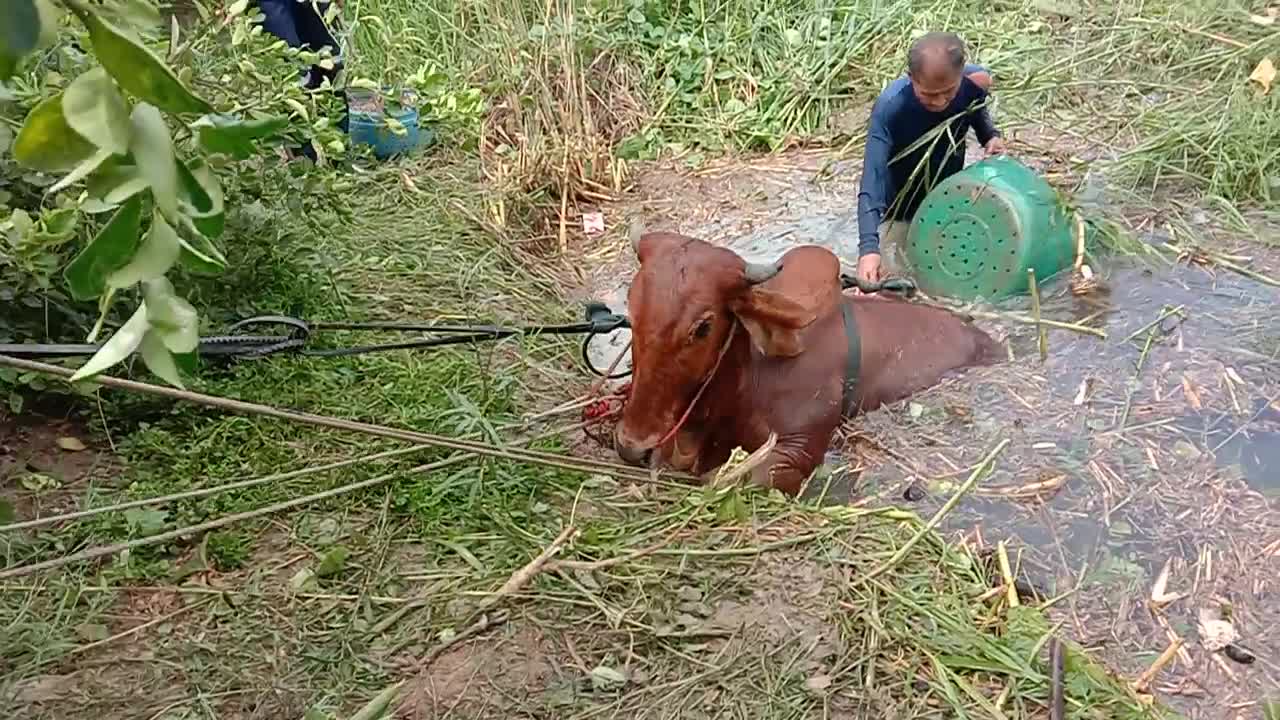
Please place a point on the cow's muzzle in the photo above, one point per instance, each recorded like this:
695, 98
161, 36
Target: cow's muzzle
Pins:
629, 453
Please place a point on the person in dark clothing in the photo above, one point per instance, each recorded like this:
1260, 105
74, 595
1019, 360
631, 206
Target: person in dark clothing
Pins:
940, 88
301, 25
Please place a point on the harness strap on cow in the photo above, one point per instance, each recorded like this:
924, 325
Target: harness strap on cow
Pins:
852, 361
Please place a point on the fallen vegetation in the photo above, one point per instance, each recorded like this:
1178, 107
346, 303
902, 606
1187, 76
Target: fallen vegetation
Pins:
661, 601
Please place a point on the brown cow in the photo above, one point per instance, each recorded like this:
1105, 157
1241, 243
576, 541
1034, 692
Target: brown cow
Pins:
725, 351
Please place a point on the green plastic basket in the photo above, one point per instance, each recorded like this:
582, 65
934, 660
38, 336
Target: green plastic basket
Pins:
979, 230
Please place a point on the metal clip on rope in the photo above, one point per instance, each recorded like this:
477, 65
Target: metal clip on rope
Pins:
602, 321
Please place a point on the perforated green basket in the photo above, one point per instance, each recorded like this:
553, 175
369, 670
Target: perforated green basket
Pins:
978, 231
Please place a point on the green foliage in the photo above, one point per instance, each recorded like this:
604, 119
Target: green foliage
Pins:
145, 165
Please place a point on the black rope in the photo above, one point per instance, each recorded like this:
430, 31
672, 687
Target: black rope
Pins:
599, 320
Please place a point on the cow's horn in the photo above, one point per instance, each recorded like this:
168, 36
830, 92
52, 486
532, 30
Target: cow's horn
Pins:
636, 232
757, 273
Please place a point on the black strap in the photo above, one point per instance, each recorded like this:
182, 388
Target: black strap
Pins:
852, 361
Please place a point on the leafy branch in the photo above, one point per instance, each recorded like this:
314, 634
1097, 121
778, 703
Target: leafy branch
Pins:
107, 129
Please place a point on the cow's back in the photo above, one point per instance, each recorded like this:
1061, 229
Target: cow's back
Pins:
907, 347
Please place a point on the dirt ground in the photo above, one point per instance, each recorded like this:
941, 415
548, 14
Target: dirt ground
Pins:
1143, 482
1128, 456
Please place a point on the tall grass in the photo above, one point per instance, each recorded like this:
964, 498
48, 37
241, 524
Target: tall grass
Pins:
578, 88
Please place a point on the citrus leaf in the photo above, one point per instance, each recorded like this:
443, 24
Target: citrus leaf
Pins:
234, 137
82, 170
137, 69
50, 14
190, 192
158, 253
172, 319
18, 34
153, 149
158, 360
202, 186
115, 182
46, 142
120, 345
109, 251
200, 255
94, 107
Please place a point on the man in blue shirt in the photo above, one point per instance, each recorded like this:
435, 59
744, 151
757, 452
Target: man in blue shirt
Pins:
927, 113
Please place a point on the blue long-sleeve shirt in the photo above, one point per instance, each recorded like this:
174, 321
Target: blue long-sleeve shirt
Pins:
898, 120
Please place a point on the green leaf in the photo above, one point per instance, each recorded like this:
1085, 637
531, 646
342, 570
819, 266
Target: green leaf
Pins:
333, 563
158, 360
203, 194
377, 707
18, 33
200, 255
7, 515
144, 521
57, 225
109, 251
94, 107
234, 137
81, 171
173, 319
47, 143
158, 253
153, 149
194, 198
1271, 710
50, 15
732, 508
120, 346
137, 69
115, 182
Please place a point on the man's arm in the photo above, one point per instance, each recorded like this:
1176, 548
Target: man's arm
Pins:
983, 126
873, 188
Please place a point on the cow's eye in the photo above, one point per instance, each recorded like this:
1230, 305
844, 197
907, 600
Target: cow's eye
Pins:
702, 329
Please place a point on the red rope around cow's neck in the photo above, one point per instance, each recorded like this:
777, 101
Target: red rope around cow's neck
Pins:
711, 375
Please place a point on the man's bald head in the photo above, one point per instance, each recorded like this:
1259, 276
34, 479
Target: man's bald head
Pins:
935, 64
936, 51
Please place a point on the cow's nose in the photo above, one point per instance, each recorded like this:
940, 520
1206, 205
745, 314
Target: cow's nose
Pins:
631, 454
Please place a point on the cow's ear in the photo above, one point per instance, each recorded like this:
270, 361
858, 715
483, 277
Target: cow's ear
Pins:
774, 319
649, 245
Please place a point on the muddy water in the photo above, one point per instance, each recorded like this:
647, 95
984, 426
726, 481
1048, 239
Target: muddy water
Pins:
1164, 444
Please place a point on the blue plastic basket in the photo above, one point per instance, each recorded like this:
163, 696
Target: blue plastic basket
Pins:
369, 127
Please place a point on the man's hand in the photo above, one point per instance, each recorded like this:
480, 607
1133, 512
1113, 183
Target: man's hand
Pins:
869, 267
996, 146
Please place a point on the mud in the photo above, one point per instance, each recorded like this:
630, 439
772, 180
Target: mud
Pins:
1161, 443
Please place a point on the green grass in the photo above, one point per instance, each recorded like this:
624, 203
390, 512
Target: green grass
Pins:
600, 80
255, 607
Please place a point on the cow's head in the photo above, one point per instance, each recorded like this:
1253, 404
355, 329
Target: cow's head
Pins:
686, 298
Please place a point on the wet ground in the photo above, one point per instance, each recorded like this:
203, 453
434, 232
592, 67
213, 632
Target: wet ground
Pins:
1155, 449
